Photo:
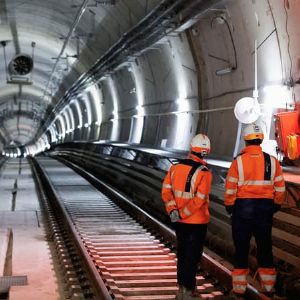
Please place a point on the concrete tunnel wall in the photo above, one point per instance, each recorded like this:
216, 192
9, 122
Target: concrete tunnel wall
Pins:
172, 90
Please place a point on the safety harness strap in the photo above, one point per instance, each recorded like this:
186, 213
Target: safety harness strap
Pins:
195, 165
268, 169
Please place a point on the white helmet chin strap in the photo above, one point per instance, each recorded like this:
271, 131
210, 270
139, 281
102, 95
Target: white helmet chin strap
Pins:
204, 153
200, 154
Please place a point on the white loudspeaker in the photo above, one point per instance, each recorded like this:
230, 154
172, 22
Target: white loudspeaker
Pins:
247, 110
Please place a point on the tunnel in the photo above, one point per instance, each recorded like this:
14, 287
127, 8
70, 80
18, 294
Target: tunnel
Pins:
116, 90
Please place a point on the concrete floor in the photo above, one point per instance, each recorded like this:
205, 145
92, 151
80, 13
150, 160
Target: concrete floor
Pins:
28, 251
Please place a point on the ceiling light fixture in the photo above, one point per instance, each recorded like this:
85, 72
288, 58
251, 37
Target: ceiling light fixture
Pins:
225, 71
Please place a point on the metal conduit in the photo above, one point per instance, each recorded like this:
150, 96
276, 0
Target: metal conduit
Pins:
143, 27
74, 25
170, 15
151, 25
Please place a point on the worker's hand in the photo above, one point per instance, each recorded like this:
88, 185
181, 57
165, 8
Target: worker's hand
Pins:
229, 209
276, 208
174, 216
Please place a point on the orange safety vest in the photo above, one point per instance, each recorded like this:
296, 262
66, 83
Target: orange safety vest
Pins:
186, 187
254, 174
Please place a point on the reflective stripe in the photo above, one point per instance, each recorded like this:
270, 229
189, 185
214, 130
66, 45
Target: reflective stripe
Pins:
240, 278
255, 182
195, 175
172, 175
268, 281
167, 186
232, 179
239, 288
231, 191
184, 195
200, 195
171, 203
268, 287
239, 283
278, 178
240, 167
279, 189
273, 168
186, 211
267, 277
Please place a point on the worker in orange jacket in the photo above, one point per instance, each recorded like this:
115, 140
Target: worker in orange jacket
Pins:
185, 193
254, 191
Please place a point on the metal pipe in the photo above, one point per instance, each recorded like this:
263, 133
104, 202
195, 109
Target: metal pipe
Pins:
148, 26
255, 92
138, 30
126, 46
194, 111
75, 23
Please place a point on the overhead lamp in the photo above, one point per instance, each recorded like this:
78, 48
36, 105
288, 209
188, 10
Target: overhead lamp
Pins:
225, 71
221, 19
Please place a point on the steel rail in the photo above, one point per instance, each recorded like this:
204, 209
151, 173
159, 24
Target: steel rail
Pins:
215, 268
122, 268
98, 283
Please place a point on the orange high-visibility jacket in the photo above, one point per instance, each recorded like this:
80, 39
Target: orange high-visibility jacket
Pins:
186, 187
254, 174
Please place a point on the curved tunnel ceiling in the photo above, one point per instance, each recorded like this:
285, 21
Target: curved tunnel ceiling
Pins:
142, 71
40, 29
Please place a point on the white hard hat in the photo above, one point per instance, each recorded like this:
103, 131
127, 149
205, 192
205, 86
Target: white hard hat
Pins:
200, 144
253, 132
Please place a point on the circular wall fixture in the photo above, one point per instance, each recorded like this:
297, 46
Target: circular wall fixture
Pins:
21, 64
247, 110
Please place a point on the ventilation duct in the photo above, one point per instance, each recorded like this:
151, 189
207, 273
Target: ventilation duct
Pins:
21, 64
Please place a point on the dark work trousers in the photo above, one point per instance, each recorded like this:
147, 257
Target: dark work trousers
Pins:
190, 240
253, 217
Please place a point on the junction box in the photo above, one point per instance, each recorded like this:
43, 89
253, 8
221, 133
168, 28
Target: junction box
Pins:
287, 132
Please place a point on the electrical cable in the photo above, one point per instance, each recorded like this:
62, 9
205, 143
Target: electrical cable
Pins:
5, 61
277, 37
288, 41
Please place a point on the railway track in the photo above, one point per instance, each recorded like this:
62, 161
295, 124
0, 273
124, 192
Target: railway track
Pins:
126, 258
132, 262
125, 173
139, 174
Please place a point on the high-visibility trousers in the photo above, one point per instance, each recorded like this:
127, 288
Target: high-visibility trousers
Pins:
267, 278
190, 241
239, 280
242, 231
